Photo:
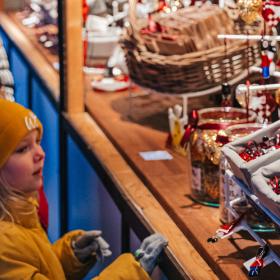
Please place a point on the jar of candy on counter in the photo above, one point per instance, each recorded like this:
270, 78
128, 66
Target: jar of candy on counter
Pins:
205, 149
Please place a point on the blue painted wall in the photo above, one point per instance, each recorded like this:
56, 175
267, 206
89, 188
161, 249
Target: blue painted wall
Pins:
20, 74
49, 118
90, 206
4, 39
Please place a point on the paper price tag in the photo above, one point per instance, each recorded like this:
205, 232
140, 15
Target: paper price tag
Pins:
156, 155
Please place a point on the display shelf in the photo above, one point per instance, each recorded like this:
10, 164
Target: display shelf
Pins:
254, 199
169, 181
242, 225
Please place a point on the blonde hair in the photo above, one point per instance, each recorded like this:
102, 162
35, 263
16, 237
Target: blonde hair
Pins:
12, 201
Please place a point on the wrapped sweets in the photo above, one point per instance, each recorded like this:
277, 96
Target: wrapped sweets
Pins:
205, 149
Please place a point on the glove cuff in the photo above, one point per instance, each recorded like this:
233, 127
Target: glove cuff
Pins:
138, 254
73, 244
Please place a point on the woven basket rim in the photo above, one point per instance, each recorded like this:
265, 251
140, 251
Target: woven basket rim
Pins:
218, 52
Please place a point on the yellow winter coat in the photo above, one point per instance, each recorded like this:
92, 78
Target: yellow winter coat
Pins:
26, 253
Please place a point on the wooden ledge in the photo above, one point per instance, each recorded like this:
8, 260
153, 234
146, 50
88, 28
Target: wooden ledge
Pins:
140, 198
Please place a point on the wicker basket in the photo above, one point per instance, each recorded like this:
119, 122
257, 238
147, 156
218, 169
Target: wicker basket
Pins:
189, 72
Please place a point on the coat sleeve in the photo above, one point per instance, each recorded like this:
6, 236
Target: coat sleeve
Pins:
125, 267
72, 267
18, 258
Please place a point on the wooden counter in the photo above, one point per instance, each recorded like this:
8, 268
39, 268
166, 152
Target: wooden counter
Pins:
134, 124
123, 119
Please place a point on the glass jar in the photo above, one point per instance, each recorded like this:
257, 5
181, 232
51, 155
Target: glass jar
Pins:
205, 151
256, 221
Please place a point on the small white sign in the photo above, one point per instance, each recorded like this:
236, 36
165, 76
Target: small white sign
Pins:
156, 155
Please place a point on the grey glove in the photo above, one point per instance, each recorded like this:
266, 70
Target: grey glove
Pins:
89, 245
150, 250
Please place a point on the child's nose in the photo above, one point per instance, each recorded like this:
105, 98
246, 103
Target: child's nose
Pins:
39, 154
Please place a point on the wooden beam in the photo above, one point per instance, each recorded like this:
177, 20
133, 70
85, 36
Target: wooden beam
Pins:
73, 57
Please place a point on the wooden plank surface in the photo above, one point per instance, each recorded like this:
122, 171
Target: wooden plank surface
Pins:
137, 124
140, 198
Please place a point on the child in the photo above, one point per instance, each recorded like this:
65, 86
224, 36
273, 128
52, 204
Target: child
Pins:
25, 251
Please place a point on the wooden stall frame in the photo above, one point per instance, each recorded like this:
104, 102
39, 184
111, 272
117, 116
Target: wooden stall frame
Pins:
138, 206
84, 129
71, 56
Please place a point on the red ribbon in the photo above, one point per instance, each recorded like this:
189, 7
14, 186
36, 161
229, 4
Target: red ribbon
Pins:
273, 3
193, 125
189, 128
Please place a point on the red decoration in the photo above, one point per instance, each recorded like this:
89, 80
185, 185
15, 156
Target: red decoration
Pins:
190, 127
43, 210
271, 13
253, 150
274, 182
85, 14
257, 265
85, 11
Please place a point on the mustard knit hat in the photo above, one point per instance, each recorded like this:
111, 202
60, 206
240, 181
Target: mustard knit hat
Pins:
15, 123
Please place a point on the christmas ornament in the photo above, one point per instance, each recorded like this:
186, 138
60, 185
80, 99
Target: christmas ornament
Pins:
271, 13
249, 10
265, 60
225, 230
257, 265
261, 102
177, 122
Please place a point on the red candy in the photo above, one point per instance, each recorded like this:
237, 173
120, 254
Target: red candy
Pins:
253, 150
275, 184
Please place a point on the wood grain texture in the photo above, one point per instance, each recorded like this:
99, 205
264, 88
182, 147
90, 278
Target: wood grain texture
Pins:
140, 198
74, 57
31, 52
124, 121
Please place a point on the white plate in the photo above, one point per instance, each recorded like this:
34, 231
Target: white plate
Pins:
109, 84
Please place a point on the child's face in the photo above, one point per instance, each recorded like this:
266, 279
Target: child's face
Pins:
23, 169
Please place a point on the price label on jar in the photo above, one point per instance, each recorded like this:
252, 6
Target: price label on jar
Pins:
234, 190
196, 178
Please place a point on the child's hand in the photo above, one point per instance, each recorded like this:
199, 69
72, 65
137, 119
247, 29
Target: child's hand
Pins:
150, 250
90, 244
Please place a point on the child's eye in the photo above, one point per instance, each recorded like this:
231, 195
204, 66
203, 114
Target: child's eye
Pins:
22, 149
